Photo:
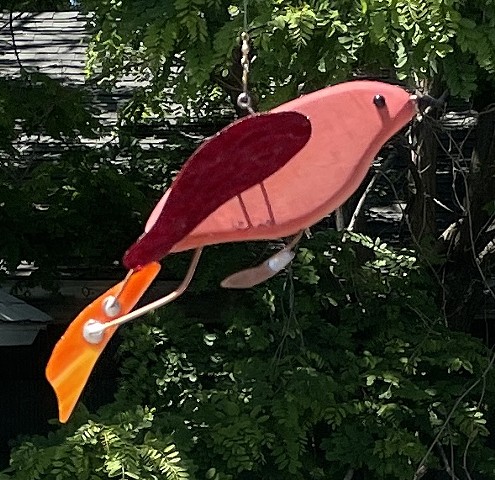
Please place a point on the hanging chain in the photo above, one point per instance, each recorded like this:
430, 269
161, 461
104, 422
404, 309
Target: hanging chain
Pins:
244, 99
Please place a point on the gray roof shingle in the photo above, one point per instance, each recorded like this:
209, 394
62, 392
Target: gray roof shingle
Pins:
53, 43
12, 309
20, 322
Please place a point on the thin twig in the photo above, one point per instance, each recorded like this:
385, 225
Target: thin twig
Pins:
472, 240
448, 468
8, 22
12, 35
365, 194
464, 457
419, 246
451, 413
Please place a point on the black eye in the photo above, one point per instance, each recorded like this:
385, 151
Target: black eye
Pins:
379, 101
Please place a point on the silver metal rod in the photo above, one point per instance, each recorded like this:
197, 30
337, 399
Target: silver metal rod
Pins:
161, 301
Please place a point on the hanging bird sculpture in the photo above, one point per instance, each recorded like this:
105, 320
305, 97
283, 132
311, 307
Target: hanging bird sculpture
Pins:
266, 176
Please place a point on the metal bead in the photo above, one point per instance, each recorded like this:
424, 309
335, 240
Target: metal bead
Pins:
111, 306
93, 332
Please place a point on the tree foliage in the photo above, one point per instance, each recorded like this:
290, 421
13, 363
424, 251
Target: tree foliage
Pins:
46, 205
69, 197
124, 447
344, 364
303, 45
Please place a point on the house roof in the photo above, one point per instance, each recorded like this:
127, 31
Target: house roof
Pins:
53, 43
19, 321
13, 309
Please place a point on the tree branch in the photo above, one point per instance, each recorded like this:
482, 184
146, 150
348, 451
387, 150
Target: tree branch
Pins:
12, 35
365, 194
450, 415
445, 460
350, 474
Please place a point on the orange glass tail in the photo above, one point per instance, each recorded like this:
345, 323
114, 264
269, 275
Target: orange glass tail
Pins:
73, 358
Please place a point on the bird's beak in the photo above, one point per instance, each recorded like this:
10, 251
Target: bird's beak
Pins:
424, 102
74, 356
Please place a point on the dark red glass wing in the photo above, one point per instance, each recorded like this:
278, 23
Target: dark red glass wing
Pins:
238, 157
